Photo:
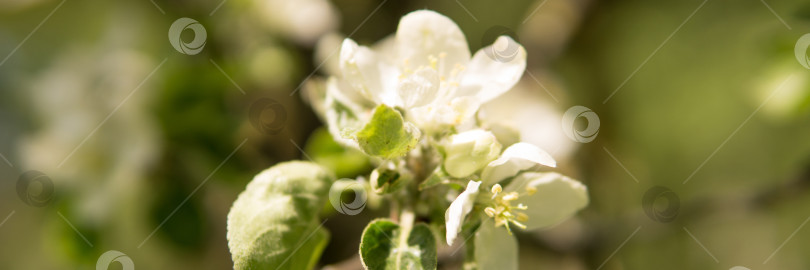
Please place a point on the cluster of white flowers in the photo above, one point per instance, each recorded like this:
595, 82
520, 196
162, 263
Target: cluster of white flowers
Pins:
426, 73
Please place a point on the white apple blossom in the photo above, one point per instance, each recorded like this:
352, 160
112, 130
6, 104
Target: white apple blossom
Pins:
530, 201
543, 200
425, 70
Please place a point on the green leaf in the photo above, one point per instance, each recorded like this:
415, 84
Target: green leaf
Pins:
384, 246
387, 134
274, 222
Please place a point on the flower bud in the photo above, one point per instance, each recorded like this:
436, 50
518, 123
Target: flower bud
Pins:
469, 151
388, 178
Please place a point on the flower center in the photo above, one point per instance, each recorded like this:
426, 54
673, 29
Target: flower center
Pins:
437, 63
502, 210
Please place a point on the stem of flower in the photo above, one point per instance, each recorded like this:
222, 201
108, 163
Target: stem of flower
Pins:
394, 211
405, 225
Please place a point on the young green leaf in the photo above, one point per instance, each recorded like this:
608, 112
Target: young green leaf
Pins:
274, 222
384, 247
387, 135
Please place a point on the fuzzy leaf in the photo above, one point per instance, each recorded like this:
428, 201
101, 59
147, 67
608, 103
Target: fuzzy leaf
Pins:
387, 135
383, 247
274, 223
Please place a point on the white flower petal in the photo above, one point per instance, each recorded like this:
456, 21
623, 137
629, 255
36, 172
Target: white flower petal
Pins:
343, 109
495, 249
557, 198
518, 157
469, 151
342, 91
465, 108
420, 88
386, 49
362, 69
494, 70
432, 117
437, 117
459, 209
423, 34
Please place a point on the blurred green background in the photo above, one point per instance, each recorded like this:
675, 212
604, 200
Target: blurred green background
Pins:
147, 147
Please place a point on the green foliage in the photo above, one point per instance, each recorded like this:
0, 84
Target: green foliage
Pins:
274, 222
387, 134
384, 246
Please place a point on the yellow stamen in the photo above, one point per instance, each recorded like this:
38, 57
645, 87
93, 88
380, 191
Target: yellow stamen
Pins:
511, 196
503, 211
433, 61
490, 212
497, 189
522, 217
520, 225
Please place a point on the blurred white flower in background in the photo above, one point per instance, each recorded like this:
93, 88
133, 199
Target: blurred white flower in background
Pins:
94, 136
301, 20
783, 93
259, 34
534, 114
326, 52
19, 5
70, 99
